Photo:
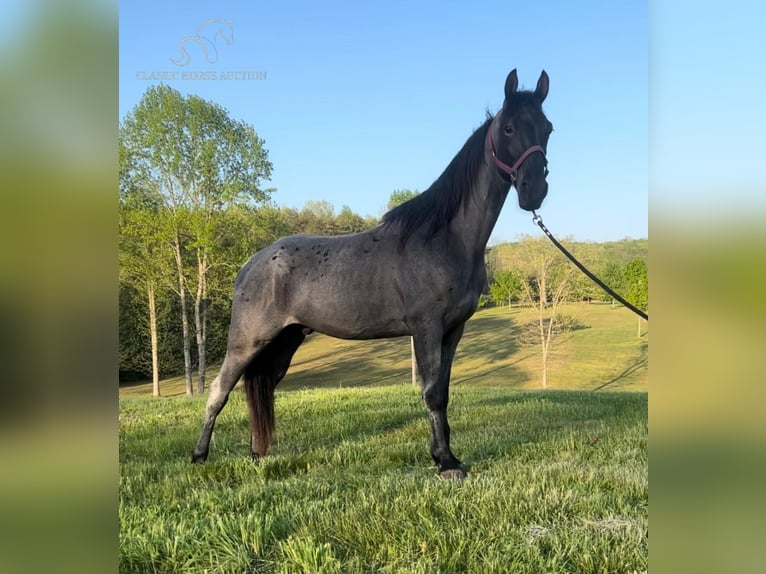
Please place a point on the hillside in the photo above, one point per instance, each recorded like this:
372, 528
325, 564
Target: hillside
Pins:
603, 352
619, 252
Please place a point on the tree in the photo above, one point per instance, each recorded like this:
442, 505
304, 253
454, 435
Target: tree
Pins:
637, 286
505, 287
349, 222
492, 263
143, 261
399, 196
549, 280
143, 266
613, 275
189, 156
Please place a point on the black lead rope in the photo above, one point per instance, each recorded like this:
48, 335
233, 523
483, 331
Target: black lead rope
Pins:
539, 221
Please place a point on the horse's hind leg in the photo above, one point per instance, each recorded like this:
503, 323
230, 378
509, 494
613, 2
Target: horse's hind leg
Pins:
233, 366
262, 376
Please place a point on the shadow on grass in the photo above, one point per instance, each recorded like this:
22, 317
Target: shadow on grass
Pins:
512, 375
360, 365
387, 361
489, 337
641, 363
396, 348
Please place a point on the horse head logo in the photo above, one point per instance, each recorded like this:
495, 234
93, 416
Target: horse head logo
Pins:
207, 34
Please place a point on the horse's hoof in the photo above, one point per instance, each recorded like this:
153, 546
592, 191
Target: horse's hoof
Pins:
454, 473
198, 458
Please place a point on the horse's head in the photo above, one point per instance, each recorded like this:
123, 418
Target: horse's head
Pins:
518, 140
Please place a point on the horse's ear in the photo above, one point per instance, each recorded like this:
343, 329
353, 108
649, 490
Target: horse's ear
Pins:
542, 86
511, 83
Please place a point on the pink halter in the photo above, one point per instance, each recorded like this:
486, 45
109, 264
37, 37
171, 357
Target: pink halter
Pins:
510, 170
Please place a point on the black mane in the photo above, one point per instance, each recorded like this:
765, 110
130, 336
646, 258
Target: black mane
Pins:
434, 209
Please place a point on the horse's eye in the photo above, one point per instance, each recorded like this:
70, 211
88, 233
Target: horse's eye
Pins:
508, 129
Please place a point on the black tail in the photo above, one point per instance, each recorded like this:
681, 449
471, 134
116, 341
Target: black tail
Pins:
262, 376
259, 386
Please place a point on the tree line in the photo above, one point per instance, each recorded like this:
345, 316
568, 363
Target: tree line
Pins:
620, 264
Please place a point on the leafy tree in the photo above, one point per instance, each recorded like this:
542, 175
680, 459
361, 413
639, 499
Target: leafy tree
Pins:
637, 286
399, 196
492, 264
135, 349
594, 255
349, 222
134, 361
187, 155
582, 287
315, 218
613, 275
321, 210
505, 287
144, 266
319, 218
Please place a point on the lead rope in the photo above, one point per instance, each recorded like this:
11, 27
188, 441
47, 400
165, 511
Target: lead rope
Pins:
539, 221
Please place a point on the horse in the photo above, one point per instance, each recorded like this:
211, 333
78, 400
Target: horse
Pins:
420, 272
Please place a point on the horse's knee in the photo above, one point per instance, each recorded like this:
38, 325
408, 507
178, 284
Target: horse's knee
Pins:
435, 397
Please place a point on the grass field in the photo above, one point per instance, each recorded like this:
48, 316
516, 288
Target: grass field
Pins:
558, 479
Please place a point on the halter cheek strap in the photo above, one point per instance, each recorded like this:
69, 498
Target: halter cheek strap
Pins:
510, 170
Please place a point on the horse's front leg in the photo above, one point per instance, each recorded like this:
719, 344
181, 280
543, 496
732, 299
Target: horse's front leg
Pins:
434, 356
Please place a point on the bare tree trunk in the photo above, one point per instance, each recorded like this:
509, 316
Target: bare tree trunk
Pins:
545, 273
544, 343
200, 320
184, 317
153, 336
205, 306
414, 363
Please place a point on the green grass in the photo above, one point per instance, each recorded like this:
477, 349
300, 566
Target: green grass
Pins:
558, 483
558, 479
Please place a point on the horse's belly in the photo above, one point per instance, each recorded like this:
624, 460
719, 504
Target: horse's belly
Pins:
349, 309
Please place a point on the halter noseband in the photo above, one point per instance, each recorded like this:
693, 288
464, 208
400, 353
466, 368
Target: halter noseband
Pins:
510, 170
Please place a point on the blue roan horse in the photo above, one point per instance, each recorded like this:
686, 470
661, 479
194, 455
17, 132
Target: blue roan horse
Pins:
419, 273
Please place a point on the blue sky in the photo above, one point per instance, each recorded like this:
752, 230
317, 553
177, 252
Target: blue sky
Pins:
360, 99
707, 113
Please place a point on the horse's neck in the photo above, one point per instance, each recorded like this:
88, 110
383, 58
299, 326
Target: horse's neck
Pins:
476, 218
